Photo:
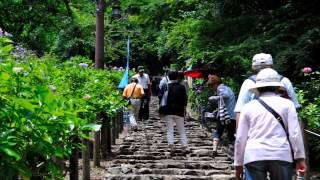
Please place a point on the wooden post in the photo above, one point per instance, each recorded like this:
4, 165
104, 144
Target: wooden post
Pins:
109, 135
104, 135
113, 140
117, 125
86, 159
96, 149
97, 142
74, 164
121, 121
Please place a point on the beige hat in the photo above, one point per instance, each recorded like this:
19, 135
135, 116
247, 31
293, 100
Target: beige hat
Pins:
262, 59
267, 77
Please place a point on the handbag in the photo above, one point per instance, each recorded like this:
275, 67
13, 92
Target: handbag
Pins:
224, 116
129, 100
132, 119
280, 120
135, 102
164, 101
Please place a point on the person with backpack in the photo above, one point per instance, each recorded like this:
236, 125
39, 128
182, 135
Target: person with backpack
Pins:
269, 137
172, 108
259, 62
226, 116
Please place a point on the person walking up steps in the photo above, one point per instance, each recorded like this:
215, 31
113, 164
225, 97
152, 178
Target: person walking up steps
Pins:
269, 136
173, 111
145, 82
134, 92
225, 94
259, 62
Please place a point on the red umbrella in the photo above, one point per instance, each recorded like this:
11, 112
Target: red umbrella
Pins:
195, 73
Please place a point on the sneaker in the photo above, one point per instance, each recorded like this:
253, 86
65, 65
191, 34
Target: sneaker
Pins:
172, 148
214, 151
184, 150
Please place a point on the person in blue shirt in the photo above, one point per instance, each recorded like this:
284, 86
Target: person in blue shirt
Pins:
226, 94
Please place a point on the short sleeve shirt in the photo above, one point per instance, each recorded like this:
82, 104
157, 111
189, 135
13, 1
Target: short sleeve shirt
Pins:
138, 91
245, 95
144, 80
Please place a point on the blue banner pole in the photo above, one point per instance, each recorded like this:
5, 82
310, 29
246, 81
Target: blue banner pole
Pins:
125, 78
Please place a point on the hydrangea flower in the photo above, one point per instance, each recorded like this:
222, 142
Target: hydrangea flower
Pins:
17, 70
83, 65
307, 70
199, 89
52, 88
86, 97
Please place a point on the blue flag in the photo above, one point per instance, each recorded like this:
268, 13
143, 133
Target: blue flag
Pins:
125, 78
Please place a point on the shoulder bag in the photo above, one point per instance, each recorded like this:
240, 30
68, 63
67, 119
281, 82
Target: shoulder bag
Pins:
129, 102
278, 117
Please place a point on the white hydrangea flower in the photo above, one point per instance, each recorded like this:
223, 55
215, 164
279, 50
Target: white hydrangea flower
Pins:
86, 97
83, 65
17, 70
52, 88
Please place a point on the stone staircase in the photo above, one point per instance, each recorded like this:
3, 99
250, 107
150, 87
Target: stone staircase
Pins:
144, 154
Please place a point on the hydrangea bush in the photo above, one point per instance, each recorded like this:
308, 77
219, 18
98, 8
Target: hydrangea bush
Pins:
45, 105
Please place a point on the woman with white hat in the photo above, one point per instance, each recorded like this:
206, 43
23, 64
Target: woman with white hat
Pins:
269, 137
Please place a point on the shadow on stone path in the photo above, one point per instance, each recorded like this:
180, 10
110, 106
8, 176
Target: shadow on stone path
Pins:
144, 154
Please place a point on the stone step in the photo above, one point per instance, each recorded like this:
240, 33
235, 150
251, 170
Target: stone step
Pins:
223, 167
144, 154
170, 161
169, 171
168, 177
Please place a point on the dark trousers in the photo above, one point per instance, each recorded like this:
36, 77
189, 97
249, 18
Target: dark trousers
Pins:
144, 109
279, 170
231, 130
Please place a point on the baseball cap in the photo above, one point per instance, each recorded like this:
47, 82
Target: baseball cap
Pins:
262, 59
140, 69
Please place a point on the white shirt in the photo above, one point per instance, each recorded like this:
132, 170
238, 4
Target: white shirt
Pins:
144, 80
261, 137
245, 95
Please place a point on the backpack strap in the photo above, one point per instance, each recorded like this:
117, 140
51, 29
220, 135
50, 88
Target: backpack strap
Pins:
253, 78
281, 77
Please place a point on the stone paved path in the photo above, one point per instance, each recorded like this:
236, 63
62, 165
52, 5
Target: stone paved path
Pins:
144, 154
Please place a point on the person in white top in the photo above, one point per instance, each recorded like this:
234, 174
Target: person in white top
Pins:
145, 82
262, 145
261, 61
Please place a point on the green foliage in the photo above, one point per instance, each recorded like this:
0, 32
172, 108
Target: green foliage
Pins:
199, 95
45, 106
310, 111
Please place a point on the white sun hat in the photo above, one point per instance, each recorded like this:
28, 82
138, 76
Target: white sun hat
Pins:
267, 77
262, 59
